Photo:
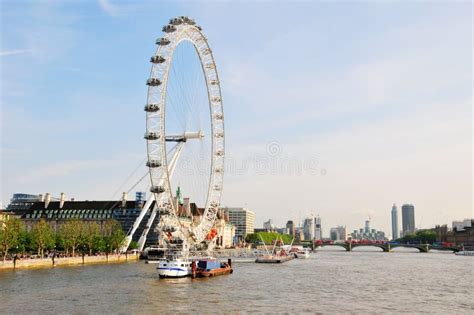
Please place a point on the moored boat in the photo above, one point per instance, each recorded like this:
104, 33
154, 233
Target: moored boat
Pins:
277, 255
210, 267
302, 254
174, 268
273, 259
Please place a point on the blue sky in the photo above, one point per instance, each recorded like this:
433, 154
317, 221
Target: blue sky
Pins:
332, 108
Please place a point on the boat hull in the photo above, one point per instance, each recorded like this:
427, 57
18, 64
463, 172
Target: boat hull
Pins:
302, 255
173, 273
214, 272
273, 260
174, 268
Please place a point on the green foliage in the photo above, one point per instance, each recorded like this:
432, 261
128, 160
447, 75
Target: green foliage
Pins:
59, 242
419, 237
73, 236
25, 242
112, 235
10, 235
268, 238
43, 237
91, 237
72, 233
133, 245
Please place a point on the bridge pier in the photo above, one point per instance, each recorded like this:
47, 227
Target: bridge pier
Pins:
349, 247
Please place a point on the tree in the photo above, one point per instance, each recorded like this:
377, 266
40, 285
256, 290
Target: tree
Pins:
72, 232
43, 236
426, 236
91, 236
133, 245
10, 232
113, 235
419, 237
59, 242
25, 243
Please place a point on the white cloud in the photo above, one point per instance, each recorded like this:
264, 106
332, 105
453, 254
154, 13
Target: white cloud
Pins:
63, 169
15, 52
109, 8
137, 8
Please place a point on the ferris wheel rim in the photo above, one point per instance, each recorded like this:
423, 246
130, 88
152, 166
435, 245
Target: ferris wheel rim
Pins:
194, 35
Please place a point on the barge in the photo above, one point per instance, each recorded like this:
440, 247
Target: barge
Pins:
273, 259
210, 268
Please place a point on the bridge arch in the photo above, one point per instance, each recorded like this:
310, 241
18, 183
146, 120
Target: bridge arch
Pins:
421, 248
331, 245
355, 247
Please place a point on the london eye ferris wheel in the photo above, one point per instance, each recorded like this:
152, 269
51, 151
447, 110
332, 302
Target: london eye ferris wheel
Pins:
184, 131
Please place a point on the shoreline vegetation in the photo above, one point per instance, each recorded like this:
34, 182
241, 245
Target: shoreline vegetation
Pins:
268, 238
73, 238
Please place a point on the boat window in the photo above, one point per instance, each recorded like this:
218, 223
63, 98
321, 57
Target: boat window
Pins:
182, 265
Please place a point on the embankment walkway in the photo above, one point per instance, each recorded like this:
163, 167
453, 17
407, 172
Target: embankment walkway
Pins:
66, 261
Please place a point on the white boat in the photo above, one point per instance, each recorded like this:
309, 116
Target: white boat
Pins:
174, 268
465, 253
302, 254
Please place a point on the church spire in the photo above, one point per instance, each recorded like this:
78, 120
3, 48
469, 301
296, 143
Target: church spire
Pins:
179, 196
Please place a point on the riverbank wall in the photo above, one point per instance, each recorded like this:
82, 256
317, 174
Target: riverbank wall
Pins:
66, 261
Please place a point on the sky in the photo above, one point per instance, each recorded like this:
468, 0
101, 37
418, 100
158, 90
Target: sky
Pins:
338, 109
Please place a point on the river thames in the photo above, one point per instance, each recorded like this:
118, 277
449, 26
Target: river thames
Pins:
329, 282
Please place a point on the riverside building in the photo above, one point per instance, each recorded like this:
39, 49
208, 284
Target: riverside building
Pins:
243, 220
32, 208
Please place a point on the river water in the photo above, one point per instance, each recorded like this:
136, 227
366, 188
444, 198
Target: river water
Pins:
328, 282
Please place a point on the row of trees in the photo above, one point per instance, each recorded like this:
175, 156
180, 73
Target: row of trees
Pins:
419, 237
72, 236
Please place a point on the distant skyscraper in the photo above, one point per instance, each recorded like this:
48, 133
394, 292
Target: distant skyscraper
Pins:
338, 233
367, 226
394, 222
269, 226
308, 227
290, 227
408, 218
366, 233
318, 232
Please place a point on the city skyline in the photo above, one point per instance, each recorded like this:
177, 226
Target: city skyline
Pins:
388, 122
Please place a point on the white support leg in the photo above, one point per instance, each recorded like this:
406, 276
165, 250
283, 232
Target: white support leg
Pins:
171, 169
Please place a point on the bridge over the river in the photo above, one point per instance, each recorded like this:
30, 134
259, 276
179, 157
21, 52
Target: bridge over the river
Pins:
387, 247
